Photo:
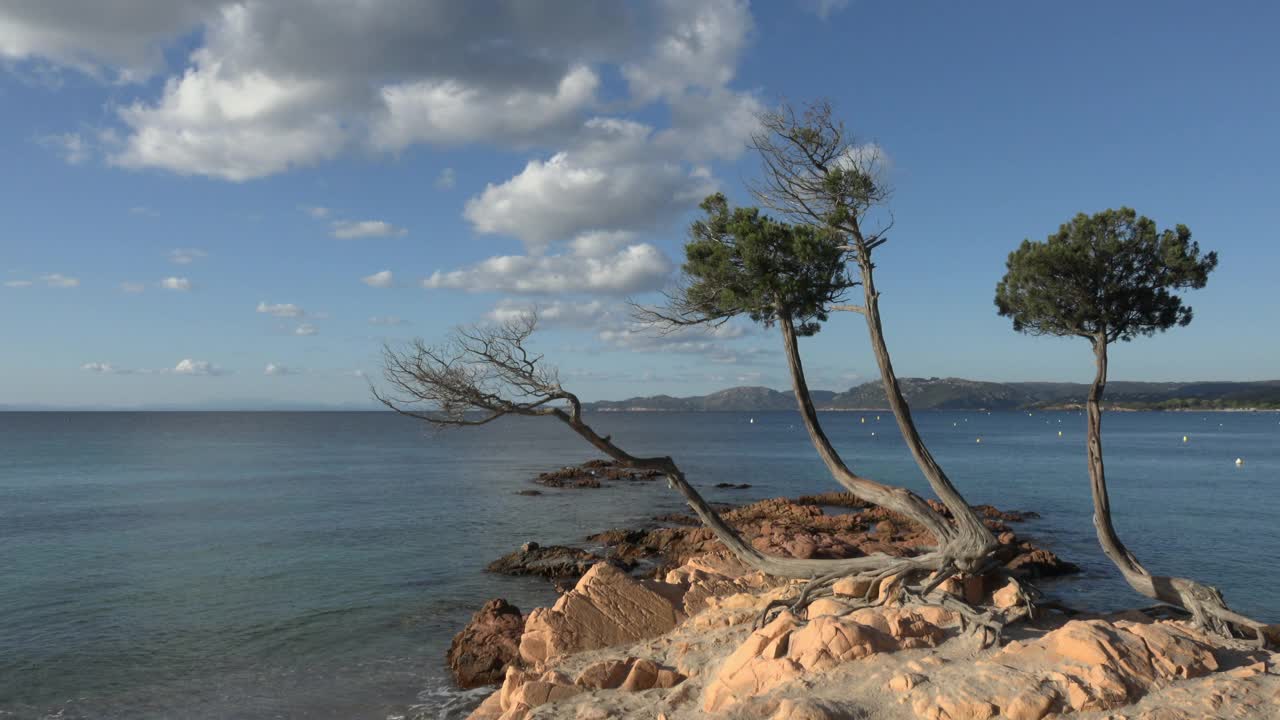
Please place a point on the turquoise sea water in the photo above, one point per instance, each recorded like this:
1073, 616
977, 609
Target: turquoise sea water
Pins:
291, 565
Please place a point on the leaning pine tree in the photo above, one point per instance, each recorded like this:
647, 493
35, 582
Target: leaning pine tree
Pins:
1106, 278
817, 176
742, 263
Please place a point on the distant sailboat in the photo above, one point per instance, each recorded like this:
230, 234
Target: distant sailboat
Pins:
752, 421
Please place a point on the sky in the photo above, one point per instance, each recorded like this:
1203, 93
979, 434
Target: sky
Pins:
214, 204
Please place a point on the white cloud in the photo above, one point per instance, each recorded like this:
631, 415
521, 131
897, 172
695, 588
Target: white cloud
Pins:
276, 370
386, 320
282, 310
611, 179
264, 92
635, 268
102, 368
380, 279
699, 46
132, 288
349, 229
692, 339
447, 111
189, 366
562, 313
317, 212
71, 146
306, 329
446, 180
18, 283
58, 280
186, 256
176, 283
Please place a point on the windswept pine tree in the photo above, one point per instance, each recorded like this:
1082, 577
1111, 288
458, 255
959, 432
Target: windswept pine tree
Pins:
1113, 277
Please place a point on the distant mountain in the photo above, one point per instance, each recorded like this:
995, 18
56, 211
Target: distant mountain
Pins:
961, 394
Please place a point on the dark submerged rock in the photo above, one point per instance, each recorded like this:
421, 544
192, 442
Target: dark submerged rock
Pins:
592, 474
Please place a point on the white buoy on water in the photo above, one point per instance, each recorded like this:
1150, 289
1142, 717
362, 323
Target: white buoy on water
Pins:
1059, 433
752, 421
979, 439
1239, 462
1184, 438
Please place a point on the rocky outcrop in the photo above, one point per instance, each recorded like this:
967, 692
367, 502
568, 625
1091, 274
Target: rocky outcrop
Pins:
554, 562
629, 675
605, 608
1085, 665
479, 655
784, 650
801, 528
592, 474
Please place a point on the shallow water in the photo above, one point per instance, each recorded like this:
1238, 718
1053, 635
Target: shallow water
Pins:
280, 565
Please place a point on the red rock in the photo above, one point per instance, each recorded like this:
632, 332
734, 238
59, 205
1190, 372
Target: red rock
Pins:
479, 655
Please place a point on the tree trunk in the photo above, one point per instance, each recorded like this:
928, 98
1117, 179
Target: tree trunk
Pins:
974, 543
900, 500
1205, 603
783, 567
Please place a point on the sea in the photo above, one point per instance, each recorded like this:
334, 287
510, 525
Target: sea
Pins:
316, 565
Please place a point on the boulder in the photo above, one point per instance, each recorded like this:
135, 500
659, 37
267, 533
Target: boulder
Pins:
630, 675
479, 655
605, 608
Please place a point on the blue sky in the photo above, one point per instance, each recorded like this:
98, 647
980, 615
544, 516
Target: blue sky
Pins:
213, 204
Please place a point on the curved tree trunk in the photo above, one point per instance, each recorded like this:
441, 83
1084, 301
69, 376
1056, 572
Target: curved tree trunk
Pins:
974, 542
900, 500
769, 564
1204, 602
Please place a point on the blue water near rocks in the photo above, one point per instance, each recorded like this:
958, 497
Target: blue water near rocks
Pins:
291, 565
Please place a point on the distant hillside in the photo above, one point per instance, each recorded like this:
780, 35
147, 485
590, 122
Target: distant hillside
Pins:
961, 394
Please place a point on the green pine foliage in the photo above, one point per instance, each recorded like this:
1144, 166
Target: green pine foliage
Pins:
1109, 276
739, 261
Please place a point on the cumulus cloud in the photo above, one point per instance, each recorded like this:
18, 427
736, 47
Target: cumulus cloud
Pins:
189, 366
306, 329
380, 279
350, 229
102, 368
122, 41
317, 212
186, 256
701, 340
611, 179
588, 314
446, 111
18, 283
176, 283
276, 370
634, 268
263, 91
699, 45
282, 310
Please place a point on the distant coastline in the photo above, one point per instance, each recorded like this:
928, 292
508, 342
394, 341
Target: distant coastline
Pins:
977, 396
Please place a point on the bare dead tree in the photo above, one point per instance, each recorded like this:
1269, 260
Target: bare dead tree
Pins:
484, 373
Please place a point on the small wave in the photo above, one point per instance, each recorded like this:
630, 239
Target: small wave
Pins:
443, 701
